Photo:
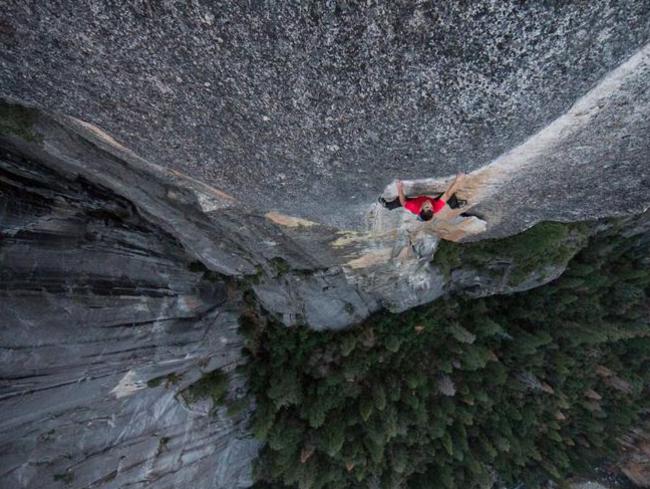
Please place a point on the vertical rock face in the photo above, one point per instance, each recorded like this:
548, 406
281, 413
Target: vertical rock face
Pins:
311, 110
105, 320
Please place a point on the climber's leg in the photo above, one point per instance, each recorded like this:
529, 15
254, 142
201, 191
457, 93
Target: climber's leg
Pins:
393, 204
453, 202
456, 203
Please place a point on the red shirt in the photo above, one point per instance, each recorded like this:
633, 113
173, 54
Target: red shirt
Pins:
414, 205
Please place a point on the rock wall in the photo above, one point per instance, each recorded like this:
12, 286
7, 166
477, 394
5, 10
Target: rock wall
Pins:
312, 110
97, 303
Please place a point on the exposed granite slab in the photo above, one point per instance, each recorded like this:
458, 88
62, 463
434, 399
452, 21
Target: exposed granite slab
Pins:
96, 301
312, 110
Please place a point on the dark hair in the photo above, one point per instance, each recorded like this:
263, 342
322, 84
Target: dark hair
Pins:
426, 215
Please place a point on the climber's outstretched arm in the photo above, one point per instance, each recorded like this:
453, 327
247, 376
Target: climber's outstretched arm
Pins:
453, 187
400, 193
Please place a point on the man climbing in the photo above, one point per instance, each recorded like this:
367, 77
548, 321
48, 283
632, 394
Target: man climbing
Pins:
424, 206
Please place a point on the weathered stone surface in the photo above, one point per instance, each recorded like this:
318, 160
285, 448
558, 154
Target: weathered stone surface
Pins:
96, 301
326, 298
312, 110
587, 485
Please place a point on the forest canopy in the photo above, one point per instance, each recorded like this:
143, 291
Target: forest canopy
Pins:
462, 392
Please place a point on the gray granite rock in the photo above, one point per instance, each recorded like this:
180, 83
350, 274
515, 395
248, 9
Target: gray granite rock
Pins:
98, 305
312, 109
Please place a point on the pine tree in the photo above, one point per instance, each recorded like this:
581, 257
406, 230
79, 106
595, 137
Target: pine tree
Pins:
379, 396
365, 406
332, 437
285, 389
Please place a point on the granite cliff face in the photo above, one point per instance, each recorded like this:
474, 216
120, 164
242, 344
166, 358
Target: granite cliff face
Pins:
312, 110
115, 302
123, 278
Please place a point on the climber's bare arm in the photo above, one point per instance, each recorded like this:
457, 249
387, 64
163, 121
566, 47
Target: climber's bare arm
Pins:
453, 187
400, 192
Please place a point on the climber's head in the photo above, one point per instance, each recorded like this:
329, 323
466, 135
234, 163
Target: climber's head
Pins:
426, 211
426, 215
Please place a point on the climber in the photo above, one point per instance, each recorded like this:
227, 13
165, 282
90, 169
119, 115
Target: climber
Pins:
423, 206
